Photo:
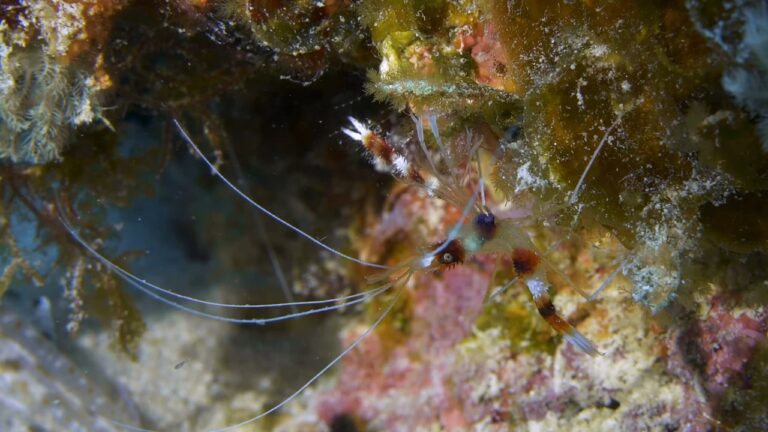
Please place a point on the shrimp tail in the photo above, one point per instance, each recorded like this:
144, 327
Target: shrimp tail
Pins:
580, 341
547, 311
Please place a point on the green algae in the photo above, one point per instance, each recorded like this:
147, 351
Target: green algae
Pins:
294, 27
421, 65
519, 324
304, 34
95, 173
430, 18
728, 142
109, 304
598, 75
739, 224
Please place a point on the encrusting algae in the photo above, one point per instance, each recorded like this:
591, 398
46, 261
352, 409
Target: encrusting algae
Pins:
52, 73
621, 144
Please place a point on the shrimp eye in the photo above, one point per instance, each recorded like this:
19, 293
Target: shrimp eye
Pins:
453, 253
485, 223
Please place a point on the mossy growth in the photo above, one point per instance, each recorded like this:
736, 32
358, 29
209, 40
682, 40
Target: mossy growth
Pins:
423, 63
520, 325
640, 82
294, 27
516, 318
90, 176
587, 78
305, 30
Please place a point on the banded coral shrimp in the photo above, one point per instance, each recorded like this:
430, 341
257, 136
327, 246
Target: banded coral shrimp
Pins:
485, 234
172, 299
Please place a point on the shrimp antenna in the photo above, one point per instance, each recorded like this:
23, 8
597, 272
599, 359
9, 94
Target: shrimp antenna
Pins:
257, 321
156, 292
423, 144
481, 181
453, 233
264, 210
577, 190
607, 281
314, 378
274, 261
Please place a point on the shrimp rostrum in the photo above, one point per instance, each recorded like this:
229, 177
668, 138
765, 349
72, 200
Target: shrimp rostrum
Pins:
483, 233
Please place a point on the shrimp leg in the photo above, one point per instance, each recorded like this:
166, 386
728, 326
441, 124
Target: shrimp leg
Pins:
526, 262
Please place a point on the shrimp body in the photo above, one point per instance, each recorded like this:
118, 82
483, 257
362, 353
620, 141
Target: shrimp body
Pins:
478, 232
527, 263
484, 235
487, 235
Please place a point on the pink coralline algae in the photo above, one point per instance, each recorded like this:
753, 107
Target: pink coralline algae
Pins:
489, 55
375, 378
731, 340
446, 372
711, 354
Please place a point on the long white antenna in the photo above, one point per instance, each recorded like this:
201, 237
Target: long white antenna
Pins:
333, 362
577, 189
288, 225
274, 261
314, 378
146, 285
423, 145
482, 182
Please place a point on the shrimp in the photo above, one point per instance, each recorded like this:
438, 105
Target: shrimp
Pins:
477, 232
392, 277
485, 234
